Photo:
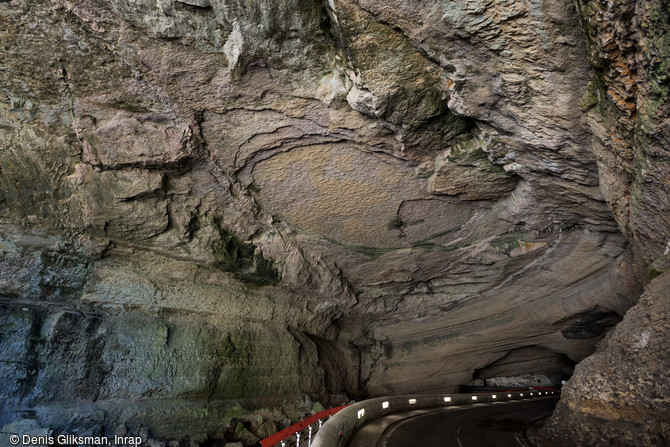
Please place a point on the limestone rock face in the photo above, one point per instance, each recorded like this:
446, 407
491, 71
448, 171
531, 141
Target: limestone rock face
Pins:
618, 396
209, 200
628, 109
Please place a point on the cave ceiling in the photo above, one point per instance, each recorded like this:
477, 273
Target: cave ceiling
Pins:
409, 181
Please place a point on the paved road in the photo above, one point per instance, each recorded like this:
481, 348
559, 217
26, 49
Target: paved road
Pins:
480, 425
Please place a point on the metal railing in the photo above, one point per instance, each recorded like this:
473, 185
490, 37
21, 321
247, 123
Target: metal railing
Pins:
337, 431
303, 430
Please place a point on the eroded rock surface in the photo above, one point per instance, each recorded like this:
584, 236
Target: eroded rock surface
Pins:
213, 200
628, 108
618, 396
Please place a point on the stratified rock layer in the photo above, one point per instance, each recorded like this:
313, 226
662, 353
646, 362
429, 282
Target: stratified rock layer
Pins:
619, 395
628, 110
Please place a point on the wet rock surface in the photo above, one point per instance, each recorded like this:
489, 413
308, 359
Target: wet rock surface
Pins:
206, 201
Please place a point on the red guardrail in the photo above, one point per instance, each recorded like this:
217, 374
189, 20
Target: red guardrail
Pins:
301, 425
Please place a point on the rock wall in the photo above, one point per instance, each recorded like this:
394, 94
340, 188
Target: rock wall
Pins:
214, 201
627, 109
619, 395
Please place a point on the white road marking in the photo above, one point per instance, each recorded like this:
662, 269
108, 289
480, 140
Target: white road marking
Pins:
458, 439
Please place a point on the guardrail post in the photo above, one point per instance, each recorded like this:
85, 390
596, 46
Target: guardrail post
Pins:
297, 443
309, 440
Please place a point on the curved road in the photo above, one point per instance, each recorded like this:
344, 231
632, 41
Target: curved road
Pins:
480, 425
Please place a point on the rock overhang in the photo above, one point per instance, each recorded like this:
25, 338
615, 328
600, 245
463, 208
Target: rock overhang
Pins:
338, 171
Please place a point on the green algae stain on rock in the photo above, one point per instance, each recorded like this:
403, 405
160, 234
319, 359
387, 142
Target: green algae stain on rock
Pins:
590, 98
62, 274
659, 266
243, 259
505, 245
465, 170
516, 244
